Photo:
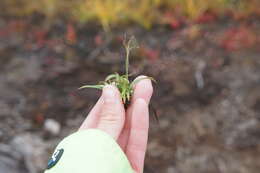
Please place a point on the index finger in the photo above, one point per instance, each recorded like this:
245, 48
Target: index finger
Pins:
143, 89
137, 142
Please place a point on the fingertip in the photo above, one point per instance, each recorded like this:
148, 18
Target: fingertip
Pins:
111, 90
112, 114
145, 84
145, 80
143, 89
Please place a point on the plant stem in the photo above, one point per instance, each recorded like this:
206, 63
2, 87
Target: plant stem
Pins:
127, 61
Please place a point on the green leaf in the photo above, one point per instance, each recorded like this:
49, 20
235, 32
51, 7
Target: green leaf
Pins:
122, 82
133, 43
112, 76
92, 86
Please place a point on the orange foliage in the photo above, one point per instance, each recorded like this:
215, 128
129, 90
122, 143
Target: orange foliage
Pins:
238, 38
71, 37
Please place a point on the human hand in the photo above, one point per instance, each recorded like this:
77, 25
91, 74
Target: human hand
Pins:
129, 128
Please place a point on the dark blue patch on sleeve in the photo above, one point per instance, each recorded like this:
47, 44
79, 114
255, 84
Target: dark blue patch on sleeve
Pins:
55, 158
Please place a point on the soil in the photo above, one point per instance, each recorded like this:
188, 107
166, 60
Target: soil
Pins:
207, 94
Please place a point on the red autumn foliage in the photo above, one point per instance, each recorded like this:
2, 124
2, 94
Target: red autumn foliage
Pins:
16, 26
71, 36
51, 43
120, 39
217, 62
206, 18
98, 40
175, 24
40, 37
172, 20
150, 54
238, 38
39, 118
4, 32
13, 26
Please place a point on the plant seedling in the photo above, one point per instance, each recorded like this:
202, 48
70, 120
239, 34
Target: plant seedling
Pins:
122, 82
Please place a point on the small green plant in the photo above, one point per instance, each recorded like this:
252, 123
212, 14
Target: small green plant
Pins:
122, 82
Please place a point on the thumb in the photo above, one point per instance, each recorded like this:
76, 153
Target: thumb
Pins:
112, 114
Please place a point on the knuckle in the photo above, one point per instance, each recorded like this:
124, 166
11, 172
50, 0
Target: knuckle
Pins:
109, 116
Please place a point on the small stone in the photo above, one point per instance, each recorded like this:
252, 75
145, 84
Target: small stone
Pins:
171, 170
52, 126
1, 134
164, 123
33, 151
10, 160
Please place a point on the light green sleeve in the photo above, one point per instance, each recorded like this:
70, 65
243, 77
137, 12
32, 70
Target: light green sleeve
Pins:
88, 151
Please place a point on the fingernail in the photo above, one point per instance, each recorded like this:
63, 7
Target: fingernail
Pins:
109, 94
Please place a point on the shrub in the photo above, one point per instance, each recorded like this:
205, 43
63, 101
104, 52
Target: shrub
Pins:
113, 12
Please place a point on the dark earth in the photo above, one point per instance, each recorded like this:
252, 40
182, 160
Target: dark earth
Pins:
207, 94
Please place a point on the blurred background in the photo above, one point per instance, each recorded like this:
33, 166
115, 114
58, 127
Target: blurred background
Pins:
204, 54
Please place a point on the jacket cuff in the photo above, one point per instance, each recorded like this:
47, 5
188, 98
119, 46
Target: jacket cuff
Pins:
91, 151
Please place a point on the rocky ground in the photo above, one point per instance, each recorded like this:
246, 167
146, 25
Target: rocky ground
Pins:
207, 94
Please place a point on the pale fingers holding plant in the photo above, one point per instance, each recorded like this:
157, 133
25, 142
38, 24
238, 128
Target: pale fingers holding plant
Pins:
108, 114
129, 129
137, 119
113, 137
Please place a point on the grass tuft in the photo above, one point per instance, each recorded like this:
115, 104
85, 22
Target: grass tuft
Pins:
122, 82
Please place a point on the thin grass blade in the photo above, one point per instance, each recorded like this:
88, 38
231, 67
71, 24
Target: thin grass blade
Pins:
110, 77
92, 86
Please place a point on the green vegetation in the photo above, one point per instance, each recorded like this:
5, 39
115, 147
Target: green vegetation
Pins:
111, 12
122, 82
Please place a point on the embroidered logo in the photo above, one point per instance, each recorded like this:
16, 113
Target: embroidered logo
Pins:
55, 158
